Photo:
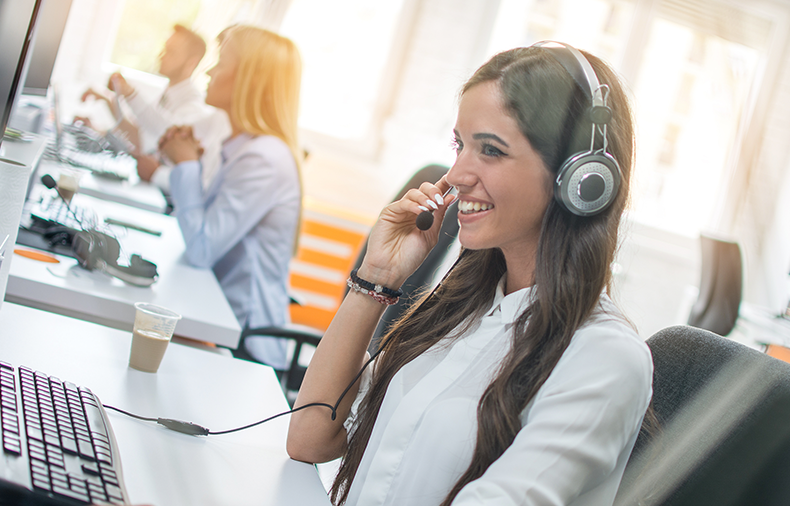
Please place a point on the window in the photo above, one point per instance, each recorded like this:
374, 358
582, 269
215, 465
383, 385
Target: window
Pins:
346, 47
691, 94
691, 70
144, 27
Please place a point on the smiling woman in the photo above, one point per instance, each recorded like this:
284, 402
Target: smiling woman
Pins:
516, 381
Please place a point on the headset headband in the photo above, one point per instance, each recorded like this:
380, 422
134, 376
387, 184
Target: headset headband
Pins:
587, 182
582, 72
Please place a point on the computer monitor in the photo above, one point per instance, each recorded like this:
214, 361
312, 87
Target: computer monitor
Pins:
17, 20
50, 23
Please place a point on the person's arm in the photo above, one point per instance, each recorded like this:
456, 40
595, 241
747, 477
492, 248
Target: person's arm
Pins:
395, 249
156, 120
146, 166
588, 411
152, 117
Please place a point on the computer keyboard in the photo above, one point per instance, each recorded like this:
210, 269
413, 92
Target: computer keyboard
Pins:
103, 163
52, 208
58, 444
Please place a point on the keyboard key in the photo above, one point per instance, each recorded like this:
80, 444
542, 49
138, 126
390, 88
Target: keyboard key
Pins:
114, 492
86, 449
69, 445
91, 468
12, 445
70, 493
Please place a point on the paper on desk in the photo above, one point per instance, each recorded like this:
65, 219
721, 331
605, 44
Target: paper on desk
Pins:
14, 177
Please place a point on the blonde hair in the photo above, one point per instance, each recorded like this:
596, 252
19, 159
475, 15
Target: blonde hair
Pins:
266, 91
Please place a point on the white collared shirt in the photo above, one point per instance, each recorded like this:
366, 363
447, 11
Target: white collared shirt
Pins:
180, 104
576, 436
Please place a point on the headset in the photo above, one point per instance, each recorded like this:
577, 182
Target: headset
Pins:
98, 251
587, 182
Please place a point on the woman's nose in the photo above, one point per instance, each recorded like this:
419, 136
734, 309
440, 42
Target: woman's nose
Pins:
461, 173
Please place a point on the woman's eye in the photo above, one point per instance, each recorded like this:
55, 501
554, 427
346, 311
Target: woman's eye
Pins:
456, 145
489, 150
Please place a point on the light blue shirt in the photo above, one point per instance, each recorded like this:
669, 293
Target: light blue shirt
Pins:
243, 226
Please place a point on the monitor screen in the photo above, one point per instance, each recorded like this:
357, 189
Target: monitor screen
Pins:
50, 23
17, 19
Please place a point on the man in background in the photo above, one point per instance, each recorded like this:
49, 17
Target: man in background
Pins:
181, 103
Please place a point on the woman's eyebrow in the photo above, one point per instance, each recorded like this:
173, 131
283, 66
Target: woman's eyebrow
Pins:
490, 136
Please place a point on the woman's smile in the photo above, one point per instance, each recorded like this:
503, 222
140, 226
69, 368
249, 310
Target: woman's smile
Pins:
469, 207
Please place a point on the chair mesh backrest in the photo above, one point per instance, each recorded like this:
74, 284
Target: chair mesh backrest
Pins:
724, 411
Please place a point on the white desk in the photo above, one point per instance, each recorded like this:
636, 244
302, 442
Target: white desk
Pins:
68, 289
163, 467
133, 192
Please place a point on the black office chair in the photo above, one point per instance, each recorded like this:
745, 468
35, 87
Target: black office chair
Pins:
721, 280
724, 413
291, 378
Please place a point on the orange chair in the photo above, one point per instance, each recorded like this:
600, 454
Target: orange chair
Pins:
328, 249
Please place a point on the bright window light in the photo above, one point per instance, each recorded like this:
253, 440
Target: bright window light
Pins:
345, 45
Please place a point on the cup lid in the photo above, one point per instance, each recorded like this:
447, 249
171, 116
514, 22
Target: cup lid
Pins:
156, 310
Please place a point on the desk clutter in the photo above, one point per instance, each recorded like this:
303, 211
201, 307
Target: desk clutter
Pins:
54, 225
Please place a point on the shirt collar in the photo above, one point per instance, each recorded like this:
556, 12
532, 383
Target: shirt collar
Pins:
176, 88
233, 144
511, 305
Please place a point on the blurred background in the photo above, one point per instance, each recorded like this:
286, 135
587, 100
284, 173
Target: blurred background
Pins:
708, 78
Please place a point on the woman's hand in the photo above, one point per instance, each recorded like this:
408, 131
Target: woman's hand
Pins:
396, 246
178, 144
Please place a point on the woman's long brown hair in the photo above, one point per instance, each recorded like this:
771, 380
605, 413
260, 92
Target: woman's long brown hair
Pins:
572, 265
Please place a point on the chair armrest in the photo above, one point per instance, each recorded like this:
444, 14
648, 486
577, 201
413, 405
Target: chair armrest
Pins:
299, 333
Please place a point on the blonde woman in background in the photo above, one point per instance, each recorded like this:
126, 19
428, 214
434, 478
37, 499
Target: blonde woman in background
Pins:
244, 224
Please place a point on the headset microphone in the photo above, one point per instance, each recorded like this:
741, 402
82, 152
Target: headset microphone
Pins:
425, 218
50, 183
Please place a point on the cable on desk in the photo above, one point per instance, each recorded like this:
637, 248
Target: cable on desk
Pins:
198, 430
119, 410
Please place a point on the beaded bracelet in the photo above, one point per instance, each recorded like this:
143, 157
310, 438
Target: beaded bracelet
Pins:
380, 293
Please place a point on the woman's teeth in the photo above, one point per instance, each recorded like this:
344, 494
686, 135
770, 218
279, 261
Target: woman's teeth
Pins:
473, 207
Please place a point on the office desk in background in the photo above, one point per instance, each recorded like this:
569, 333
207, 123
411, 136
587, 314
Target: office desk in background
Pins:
758, 327
162, 467
133, 192
65, 288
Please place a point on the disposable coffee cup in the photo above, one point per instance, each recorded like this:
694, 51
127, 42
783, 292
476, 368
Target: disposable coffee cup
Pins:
153, 328
68, 184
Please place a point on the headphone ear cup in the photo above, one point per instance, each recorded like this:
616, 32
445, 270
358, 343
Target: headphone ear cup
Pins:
92, 247
84, 247
587, 183
109, 248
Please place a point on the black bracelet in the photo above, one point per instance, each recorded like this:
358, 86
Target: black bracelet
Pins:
367, 285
